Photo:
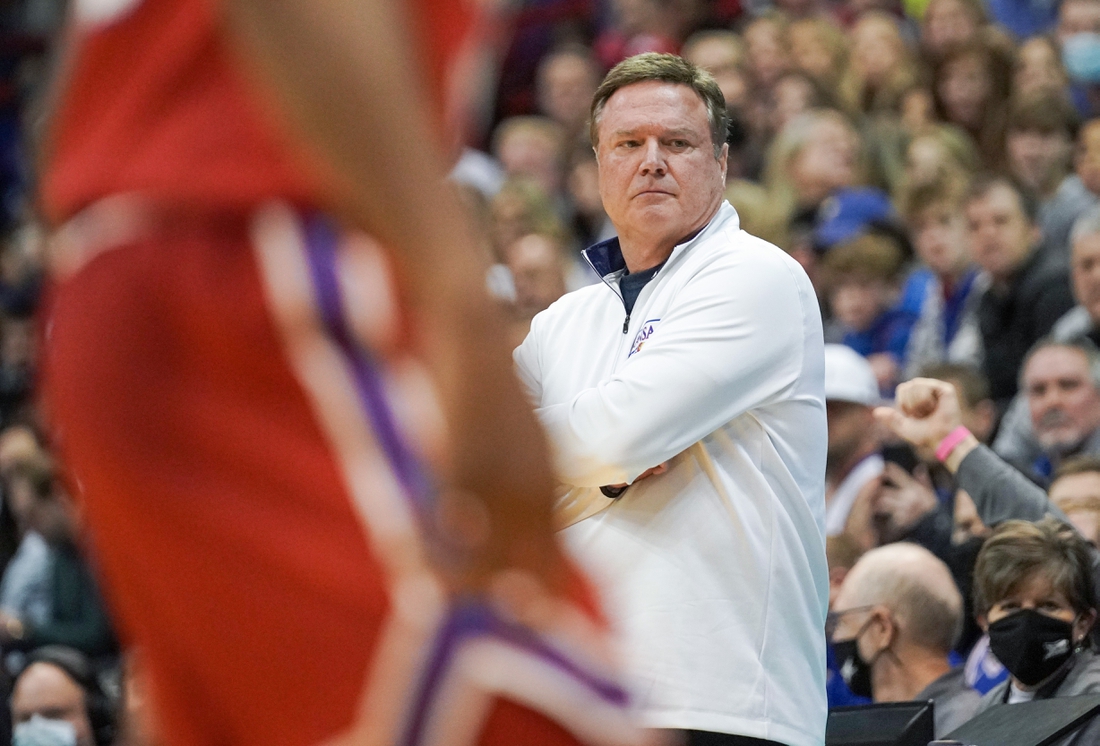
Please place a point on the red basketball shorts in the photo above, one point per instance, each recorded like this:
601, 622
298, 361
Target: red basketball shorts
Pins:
252, 483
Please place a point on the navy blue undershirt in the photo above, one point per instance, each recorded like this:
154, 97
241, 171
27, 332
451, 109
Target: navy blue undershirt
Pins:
631, 284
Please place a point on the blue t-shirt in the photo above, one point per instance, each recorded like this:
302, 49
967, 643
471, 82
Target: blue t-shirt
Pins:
631, 285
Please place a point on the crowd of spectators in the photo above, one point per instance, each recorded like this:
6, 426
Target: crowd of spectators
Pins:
934, 165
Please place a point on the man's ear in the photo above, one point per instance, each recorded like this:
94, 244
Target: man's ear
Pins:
723, 159
883, 630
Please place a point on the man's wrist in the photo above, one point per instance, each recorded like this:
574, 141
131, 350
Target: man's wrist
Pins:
951, 441
955, 447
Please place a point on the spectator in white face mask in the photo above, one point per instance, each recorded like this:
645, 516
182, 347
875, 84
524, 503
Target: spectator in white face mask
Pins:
57, 701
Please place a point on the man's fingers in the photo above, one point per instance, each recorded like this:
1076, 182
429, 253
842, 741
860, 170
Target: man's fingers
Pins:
891, 418
917, 398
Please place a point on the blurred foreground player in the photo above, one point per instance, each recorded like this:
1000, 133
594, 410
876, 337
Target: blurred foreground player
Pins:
236, 385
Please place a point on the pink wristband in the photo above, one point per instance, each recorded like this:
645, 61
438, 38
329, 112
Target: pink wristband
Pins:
950, 442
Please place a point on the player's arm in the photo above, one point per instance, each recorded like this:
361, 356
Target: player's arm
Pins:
345, 74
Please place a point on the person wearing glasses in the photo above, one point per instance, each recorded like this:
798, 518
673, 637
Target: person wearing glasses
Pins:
895, 620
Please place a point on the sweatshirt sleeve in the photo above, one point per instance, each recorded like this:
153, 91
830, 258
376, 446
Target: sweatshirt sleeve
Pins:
732, 340
526, 359
1000, 492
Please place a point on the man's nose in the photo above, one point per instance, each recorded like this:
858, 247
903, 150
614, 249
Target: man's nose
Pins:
653, 158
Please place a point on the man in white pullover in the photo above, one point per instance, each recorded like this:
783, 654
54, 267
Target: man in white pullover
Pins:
684, 396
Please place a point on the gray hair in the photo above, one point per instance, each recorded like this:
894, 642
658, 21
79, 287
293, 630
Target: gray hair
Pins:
664, 68
918, 589
1081, 343
1086, 225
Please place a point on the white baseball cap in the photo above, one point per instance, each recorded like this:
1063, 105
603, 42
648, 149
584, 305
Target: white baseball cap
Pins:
848, 376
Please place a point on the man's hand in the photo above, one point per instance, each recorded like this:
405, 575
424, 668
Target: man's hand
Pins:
650, 472
926, 412
901, 502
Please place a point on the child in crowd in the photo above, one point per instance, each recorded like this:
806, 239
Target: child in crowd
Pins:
949, 285
861, 282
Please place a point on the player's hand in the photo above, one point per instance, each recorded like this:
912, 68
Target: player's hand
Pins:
926, 411
901, 502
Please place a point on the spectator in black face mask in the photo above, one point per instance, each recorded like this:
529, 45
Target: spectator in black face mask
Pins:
1034, 596
895, 620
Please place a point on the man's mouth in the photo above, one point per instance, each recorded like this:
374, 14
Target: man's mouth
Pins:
1052, 419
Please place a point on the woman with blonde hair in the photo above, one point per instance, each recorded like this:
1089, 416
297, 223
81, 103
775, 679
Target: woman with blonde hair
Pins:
819, 49
880, 67
813, 156
940, 154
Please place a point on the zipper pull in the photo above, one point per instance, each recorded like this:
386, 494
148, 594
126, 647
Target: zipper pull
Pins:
626, 323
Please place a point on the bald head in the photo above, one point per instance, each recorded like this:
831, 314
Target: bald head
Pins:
915, 585
48, 691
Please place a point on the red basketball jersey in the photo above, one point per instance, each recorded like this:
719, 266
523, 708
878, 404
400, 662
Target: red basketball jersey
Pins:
153, 100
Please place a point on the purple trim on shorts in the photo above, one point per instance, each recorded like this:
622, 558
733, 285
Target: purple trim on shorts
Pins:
322, 241
470, 619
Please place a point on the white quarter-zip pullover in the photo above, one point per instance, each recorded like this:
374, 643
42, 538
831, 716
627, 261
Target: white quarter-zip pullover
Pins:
714, 572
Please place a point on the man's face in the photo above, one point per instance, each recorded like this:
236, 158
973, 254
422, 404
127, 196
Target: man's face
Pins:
1064, 402
659, 178
1001, 236
47, 691
1076, 494
1037, 159
1082, 487
939, 236
1085, 266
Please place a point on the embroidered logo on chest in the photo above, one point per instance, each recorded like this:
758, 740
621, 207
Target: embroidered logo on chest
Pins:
643, 335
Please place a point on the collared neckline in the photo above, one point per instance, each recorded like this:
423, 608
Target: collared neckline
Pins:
606, 257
